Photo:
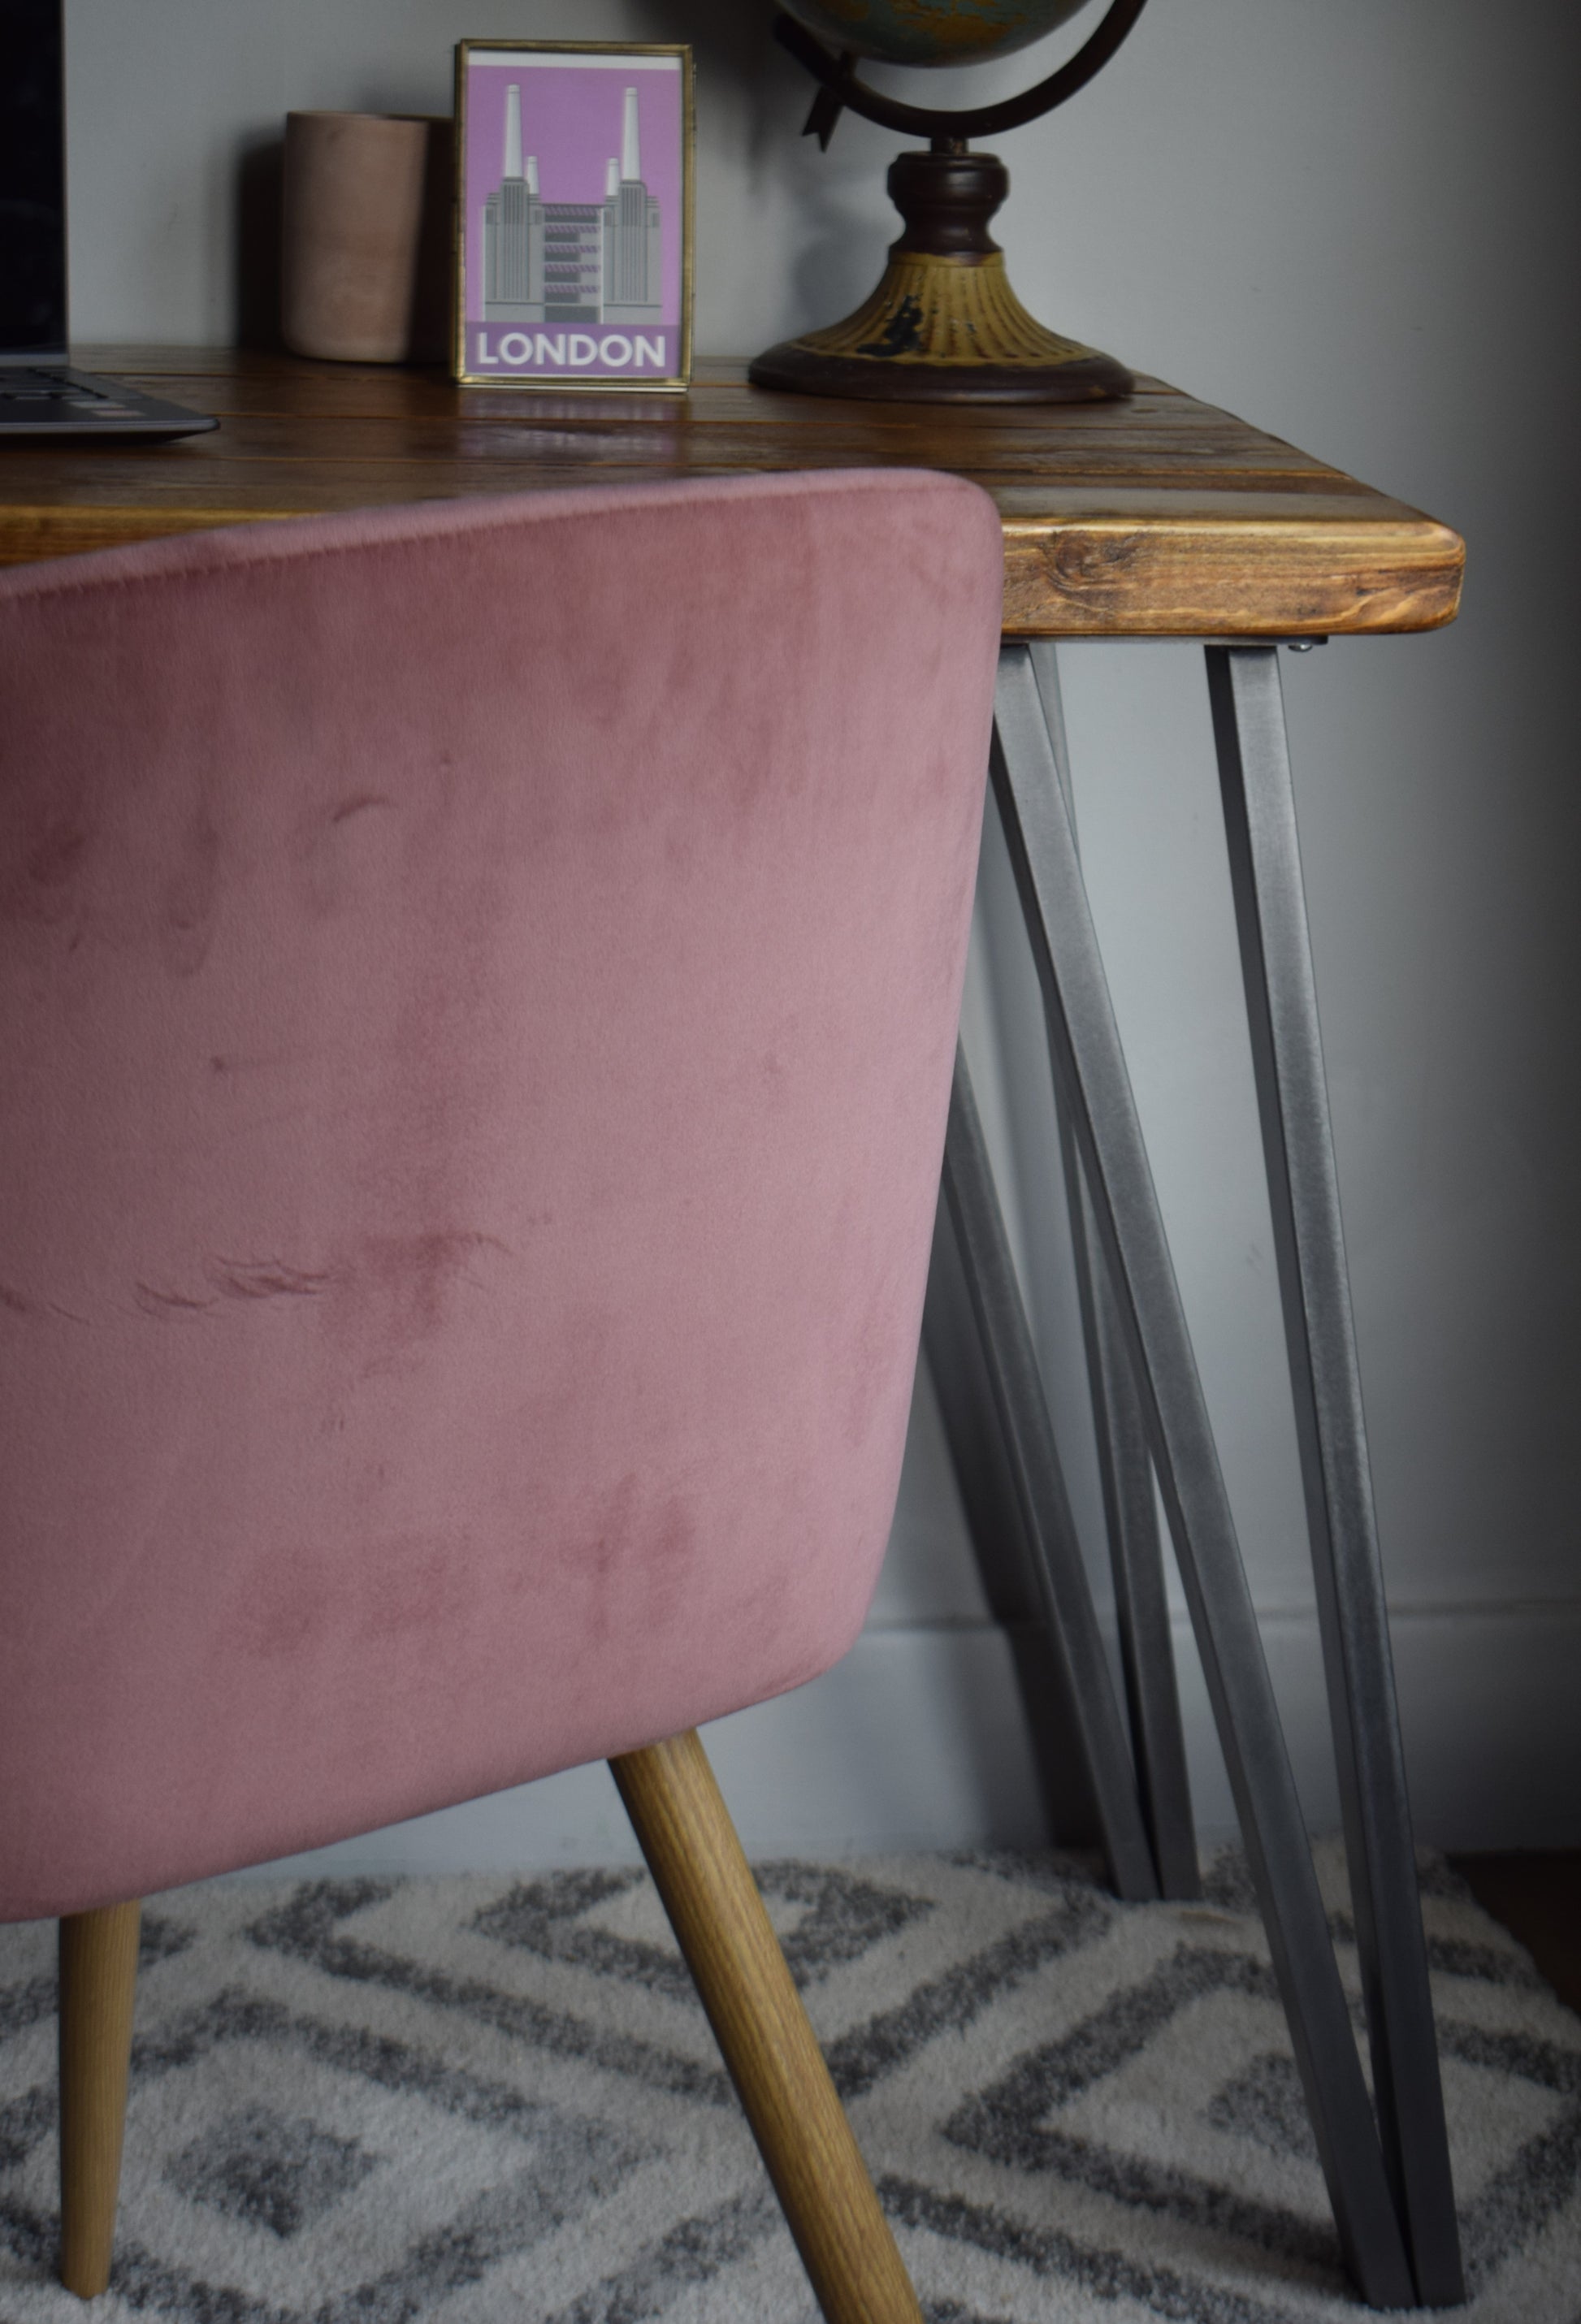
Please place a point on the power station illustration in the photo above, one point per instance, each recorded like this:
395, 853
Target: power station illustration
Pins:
571, 262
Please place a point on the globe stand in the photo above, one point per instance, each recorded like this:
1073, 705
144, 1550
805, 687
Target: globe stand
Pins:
944, 325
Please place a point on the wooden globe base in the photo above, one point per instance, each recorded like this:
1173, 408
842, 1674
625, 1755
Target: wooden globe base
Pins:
942, 330
944, 325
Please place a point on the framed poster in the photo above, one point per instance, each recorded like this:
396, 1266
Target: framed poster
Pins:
573, 215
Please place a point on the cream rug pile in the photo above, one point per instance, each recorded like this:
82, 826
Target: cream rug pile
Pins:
469, 2101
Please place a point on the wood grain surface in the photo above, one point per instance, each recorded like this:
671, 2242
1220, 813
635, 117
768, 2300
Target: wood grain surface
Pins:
1157, 517
723, 1929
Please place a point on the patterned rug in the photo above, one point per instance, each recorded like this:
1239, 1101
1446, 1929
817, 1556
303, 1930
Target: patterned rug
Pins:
465, 2101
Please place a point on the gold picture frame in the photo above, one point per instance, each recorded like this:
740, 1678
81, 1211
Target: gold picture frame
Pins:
568, 290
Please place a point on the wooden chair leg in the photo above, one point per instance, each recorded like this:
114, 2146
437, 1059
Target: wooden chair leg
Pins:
98, 1976
771, 2051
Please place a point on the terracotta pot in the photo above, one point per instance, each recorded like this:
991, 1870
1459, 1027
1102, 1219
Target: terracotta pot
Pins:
364, 263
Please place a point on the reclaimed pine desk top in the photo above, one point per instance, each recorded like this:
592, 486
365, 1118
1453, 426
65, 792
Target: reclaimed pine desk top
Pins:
1158, 517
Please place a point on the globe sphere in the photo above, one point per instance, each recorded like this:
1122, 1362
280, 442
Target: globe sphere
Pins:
931, 32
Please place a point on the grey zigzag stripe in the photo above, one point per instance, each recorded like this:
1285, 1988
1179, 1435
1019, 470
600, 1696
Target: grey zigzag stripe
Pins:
693, 2252
25, 2121
1511, 2211
236, 2017
1515, 2206
542, 1917
457, 2254
139, 2279
498, 2223
950, 2312
30, 2003
1459, 1957
1006, 2123
1052, 2255
569, 2162
305, 1928
849, 1916
863, 2057
1264, 2102
1061, 2071
22, 2005
1181, 2195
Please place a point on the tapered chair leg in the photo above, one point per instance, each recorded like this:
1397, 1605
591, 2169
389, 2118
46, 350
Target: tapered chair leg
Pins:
771, 2051
98, 1976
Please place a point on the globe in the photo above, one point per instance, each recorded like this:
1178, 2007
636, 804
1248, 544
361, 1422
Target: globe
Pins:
944, 325
931, 32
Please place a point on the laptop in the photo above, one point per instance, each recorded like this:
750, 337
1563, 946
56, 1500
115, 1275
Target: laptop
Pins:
40, 393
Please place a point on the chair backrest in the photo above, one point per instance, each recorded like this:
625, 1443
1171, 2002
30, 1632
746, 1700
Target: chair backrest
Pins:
477, 991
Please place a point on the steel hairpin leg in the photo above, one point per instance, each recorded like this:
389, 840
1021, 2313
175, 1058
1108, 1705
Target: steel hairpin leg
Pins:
1125, 1475
1002, 1549
1265, 871
1141, 1602
1095, 1092
1037, 1482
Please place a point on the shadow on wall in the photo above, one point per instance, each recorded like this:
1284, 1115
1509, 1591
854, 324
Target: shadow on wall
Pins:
733, 48
832, 198
260, 183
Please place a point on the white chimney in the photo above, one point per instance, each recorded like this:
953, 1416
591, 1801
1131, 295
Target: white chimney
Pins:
612, 180
631, 164
533, 175
513, 130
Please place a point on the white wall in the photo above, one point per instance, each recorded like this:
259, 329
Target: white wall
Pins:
1355, 225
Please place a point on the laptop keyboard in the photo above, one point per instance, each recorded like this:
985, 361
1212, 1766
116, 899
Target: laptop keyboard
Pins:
57, 388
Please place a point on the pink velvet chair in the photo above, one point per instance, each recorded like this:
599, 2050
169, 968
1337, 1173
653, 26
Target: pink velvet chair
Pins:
478, 992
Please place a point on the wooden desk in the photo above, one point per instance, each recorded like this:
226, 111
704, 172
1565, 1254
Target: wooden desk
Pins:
1156, 518
1161, 517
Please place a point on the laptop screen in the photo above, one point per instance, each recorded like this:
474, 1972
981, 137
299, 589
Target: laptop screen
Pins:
32, 180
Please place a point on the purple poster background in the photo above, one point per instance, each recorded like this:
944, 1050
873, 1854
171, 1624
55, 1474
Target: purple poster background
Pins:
571, 120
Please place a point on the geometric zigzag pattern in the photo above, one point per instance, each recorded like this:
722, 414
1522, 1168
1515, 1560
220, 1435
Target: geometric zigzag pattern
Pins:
465, 2101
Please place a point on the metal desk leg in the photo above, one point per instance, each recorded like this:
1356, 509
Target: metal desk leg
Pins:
1095, 1093
1141, 1603
1125, 1475
1039, 1485
953, 1352
1249, 729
